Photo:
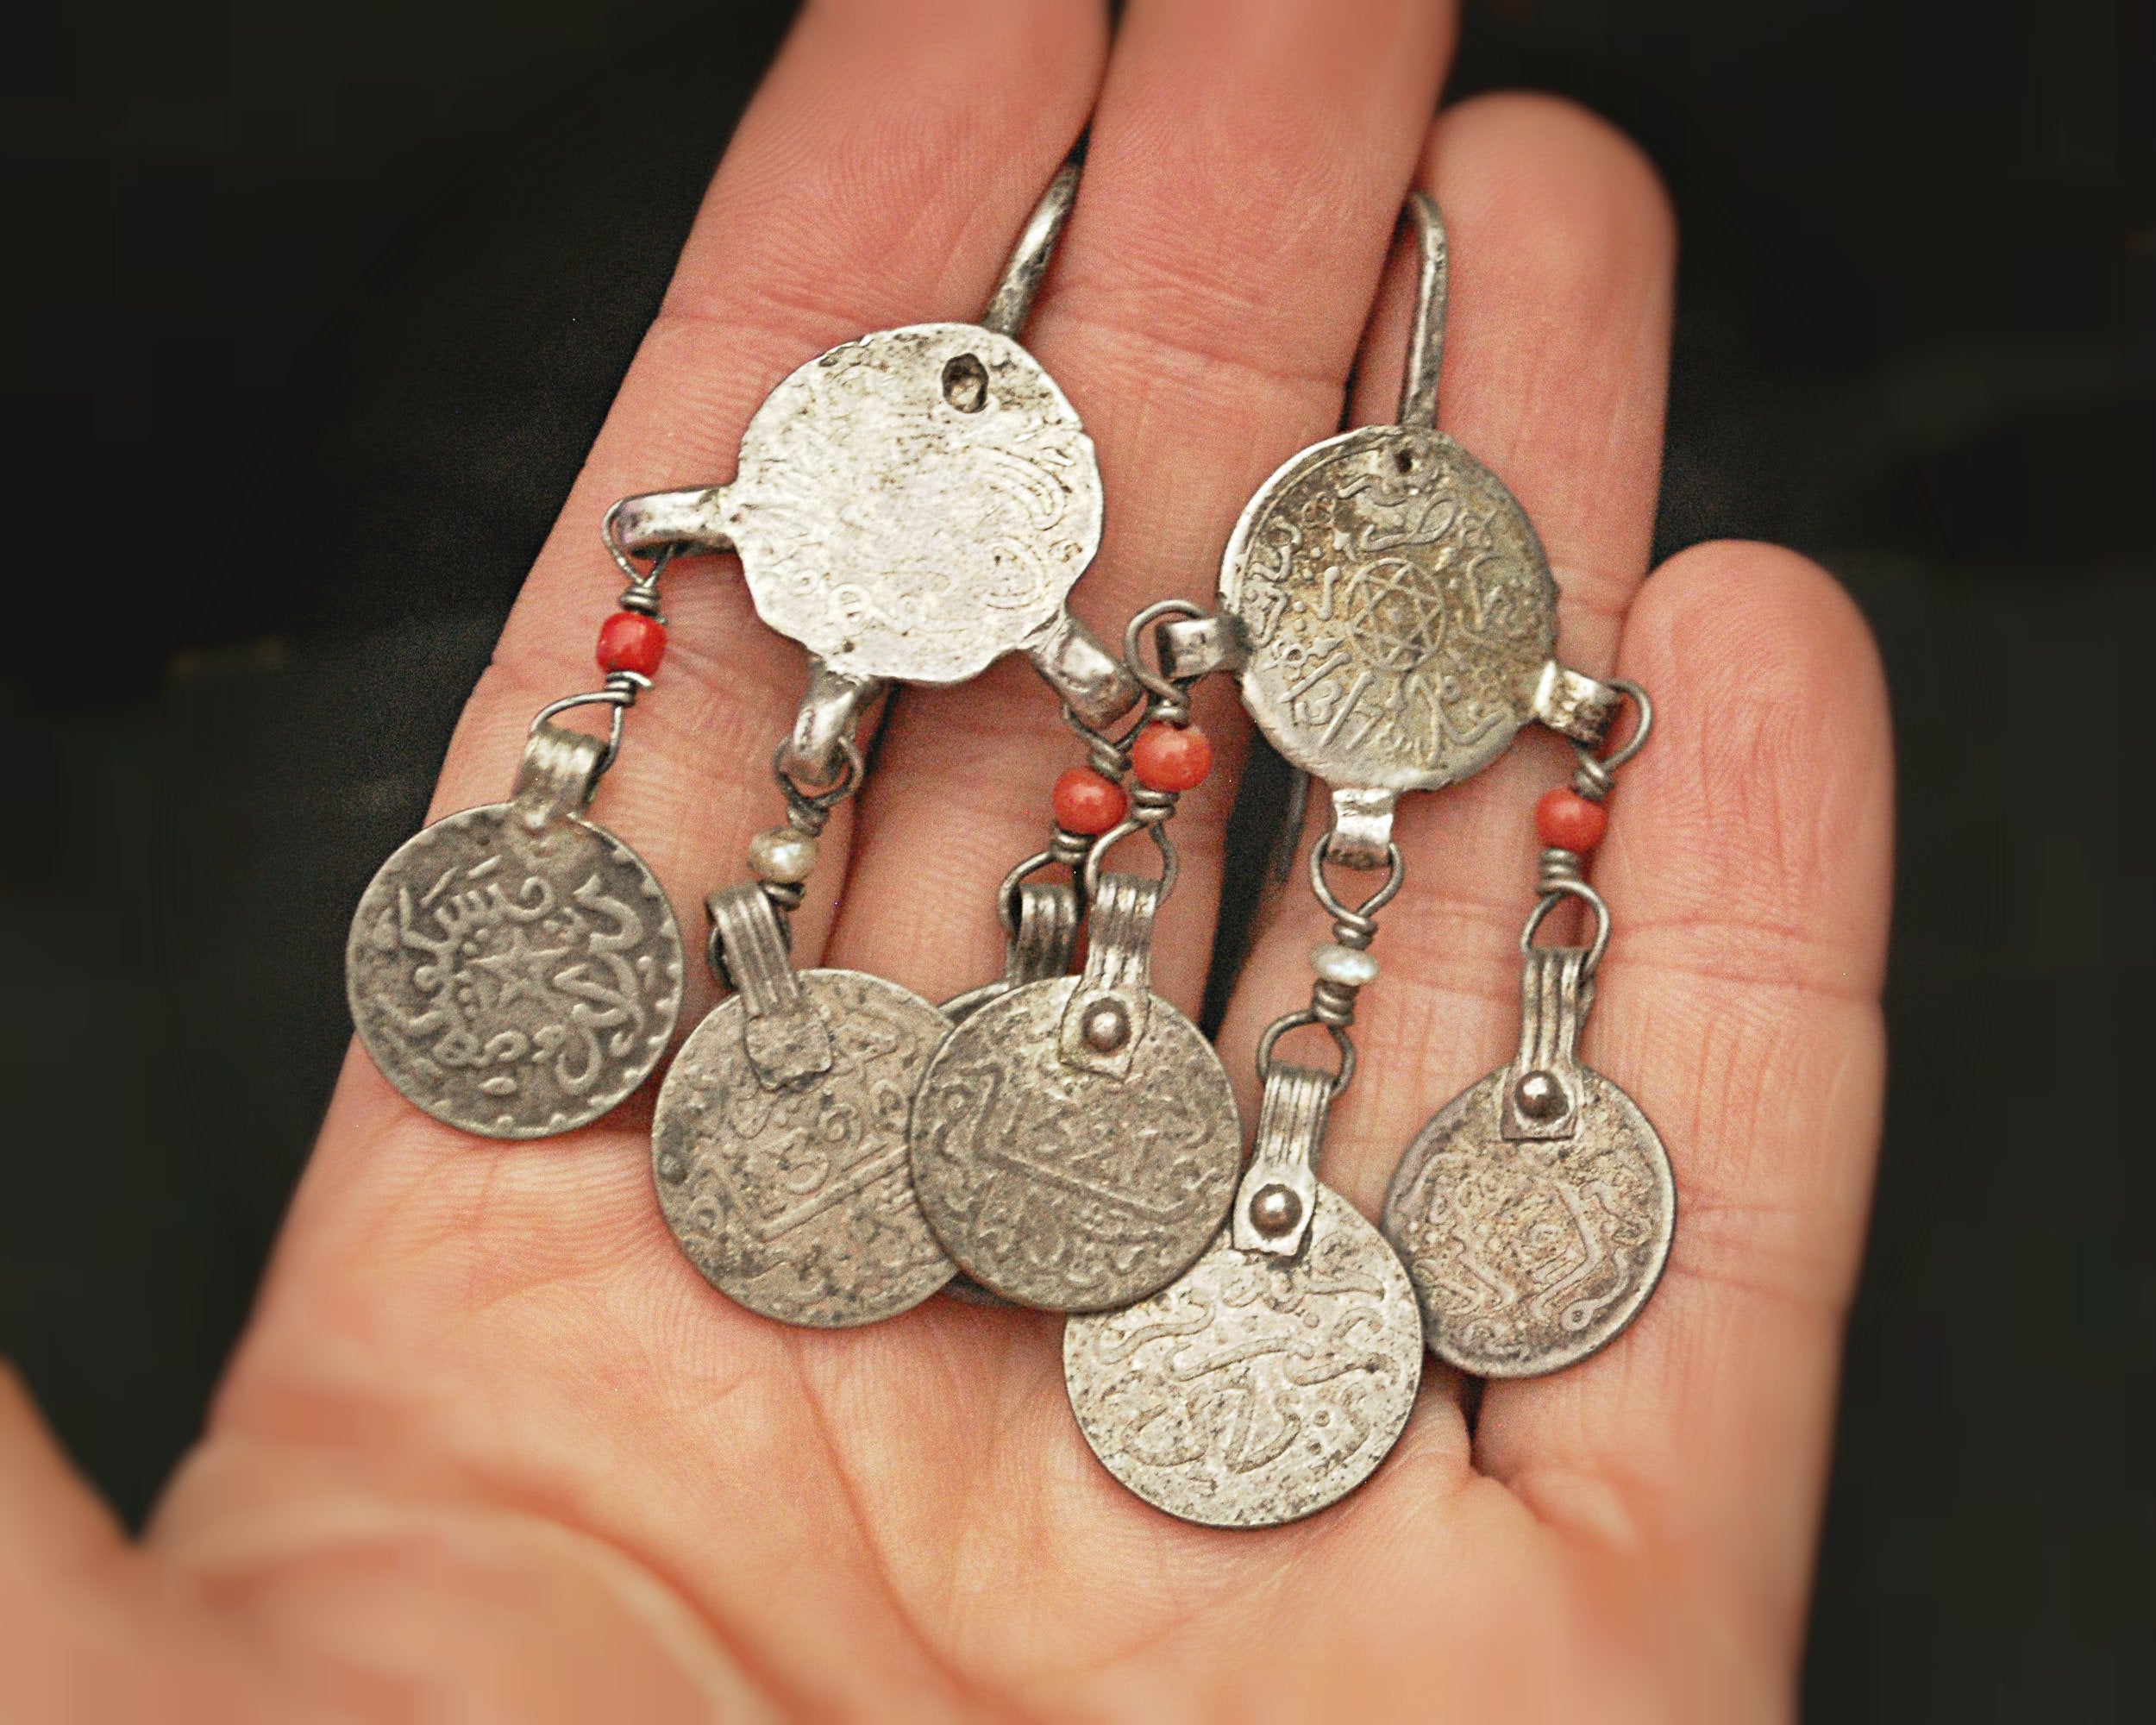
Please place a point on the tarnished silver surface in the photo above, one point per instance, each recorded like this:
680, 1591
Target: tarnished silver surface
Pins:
1398, 608
1529, 1254
514, 970
795, 1199
910, 506
1062, 1186
1253, 1390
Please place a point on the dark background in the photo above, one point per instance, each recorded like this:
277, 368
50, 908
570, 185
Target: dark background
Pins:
365, 276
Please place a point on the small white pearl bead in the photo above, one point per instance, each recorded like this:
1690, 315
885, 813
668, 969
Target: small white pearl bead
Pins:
1344, 965
781, 855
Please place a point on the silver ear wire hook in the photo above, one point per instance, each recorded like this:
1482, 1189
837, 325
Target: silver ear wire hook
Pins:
1426, 336
1012, 302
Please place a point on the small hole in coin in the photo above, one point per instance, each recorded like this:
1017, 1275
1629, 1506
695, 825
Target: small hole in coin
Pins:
966, 384
1404, 459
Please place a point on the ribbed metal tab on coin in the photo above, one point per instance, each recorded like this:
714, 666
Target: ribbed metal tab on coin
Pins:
1271, 1378
1535, 1212
779, 1147
915, 503
515, 970
1075, 1142
1398, 614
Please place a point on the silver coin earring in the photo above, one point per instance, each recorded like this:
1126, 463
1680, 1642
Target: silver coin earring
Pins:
515, 970
1535, 1212
909, 506
1393, 620
1075, 1142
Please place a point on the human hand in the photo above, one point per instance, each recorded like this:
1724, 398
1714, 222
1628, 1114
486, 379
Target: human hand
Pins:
492, 1448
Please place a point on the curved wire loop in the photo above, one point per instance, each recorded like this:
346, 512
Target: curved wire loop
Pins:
1363, 917
1171, 702
1596, 773
1171, 866
1559, 891
1007, 893
618, 696
808, 811
1279, 1027
643, 584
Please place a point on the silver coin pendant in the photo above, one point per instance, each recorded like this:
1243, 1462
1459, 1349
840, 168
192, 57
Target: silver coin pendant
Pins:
1255, 1389
1529, 1254
1075, 1144
514, 970
795, 1199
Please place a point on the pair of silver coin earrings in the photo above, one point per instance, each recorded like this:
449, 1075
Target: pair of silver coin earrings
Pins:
1243, 1348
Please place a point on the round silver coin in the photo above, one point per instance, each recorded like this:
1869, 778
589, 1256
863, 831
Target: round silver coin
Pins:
1253, 1390
1398, 609
514, 978
797, 1202
1065, 1188
1529, 1256
916, 503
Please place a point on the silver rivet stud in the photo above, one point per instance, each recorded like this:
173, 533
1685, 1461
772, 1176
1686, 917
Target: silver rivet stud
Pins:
1275, 1210
1106, 1026
1539, 1096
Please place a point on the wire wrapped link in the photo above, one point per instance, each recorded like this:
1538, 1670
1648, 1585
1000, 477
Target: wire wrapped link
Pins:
1561, 873
1595, 775
621, 688
1333, 1000
1333, 1003
1108, 756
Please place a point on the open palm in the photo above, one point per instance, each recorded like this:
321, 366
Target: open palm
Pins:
493, 1449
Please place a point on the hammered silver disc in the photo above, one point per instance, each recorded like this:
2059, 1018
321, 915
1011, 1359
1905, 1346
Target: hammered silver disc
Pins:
1253, 1390
895, 534
1397, 608
1529, 1256
797, 1201
514, 978
1068, 1190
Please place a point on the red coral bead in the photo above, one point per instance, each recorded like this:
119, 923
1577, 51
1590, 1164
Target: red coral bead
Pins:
1565, 820
628, 640
1085, 802
1171, 757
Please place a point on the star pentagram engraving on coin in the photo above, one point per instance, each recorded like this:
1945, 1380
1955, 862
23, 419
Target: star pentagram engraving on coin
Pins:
1397, 608
514, 975
796, 1200
1253, 1390
1528, 1256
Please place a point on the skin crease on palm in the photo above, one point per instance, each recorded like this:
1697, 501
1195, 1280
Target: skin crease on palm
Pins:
491, 1449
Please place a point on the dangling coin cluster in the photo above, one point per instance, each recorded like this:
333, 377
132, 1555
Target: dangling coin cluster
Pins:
1242, 1348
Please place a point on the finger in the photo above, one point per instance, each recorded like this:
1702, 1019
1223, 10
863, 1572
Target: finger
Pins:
1748, 866
879, 178
1244, 171
1556, 358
